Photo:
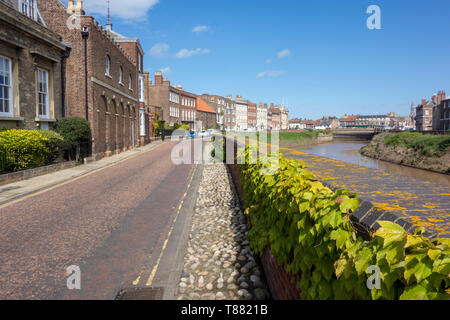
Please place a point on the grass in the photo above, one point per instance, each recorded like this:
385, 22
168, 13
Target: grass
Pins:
428, 145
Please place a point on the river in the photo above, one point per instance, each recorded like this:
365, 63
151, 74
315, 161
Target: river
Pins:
348, 150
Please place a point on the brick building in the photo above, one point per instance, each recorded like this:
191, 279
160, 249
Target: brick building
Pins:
134, 50
276, 117
220, 105
251, 115
111, 93
441, 113
31, 59
206, 116
424, 114
175, 104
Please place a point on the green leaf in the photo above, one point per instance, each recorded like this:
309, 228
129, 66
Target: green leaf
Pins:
363, 259
349, 205
390, 232
416, 292
433, 254
442, 266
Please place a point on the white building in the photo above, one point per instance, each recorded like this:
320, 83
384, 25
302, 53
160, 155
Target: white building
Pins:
241, 114
261, 117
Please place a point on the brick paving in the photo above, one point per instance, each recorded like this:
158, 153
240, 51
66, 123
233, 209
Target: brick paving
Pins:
109, 223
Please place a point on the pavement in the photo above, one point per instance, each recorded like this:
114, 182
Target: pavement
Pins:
422, 203
122, 220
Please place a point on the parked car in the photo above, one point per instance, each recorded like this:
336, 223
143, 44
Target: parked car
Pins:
202, 133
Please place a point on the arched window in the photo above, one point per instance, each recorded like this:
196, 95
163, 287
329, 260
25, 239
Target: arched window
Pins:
120, 75
107, 66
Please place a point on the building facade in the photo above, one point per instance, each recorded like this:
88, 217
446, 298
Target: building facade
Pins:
32, 60
261, 117
241, 114
174, 104
442, 116
206, 116
230, 114
251, 115
424, 115
109, 97
276, 118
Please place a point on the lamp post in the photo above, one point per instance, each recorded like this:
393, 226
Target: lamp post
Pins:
85, 36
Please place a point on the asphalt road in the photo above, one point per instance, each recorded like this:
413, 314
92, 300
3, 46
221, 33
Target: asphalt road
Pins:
111, 223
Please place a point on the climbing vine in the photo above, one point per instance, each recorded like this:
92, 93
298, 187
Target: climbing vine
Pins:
308, 229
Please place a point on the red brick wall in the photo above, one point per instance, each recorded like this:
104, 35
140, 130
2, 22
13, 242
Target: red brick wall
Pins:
281, 284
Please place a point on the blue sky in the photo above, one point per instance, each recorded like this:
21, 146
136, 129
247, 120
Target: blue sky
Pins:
317, 55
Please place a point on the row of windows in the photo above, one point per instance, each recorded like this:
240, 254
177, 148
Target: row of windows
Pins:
108, 73
188, 102
174, 112
173, 97
6, 85
188, 115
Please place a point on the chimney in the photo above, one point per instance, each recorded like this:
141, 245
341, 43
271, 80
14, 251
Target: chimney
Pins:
230, 96
424, 102
166, 82
158, 78
434, 98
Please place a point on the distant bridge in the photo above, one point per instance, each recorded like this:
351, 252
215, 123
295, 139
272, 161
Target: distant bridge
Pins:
362, 133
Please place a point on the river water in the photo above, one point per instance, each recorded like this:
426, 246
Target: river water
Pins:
348, 150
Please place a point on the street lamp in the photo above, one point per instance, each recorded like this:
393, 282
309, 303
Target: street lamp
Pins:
85, 36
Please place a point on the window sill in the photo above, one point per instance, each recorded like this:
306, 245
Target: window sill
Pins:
108, 76
44, 120
11, 118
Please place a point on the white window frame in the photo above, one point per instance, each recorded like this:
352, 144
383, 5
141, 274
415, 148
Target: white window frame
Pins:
8, 86
108, 66
141, 89
130, 82
120, 75
46, 93
28, 8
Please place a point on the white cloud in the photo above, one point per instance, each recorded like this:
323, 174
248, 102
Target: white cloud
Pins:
198, 29
270, 74
129, 9
166, 70
284, 53
159, 49
185, 53
268, 61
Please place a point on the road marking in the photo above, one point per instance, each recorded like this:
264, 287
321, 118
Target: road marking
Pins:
155, 268
73, 179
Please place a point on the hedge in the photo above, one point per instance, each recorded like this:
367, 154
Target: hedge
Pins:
55, 144
76, 131
308, 229
22, 149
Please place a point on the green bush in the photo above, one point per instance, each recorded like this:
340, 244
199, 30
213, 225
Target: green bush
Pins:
23, 149
76, 132
55, 144
307, 227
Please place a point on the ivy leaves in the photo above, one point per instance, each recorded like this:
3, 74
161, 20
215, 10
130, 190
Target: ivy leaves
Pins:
307, 227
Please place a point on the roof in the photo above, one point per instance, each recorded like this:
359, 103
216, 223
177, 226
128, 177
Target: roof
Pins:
203, 106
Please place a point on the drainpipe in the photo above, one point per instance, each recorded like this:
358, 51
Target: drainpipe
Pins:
63, 80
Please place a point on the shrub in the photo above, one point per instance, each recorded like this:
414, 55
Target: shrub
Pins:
23, 149
307, 227
55, 144
75, 131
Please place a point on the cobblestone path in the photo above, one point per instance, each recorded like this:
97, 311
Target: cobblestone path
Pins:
218, 263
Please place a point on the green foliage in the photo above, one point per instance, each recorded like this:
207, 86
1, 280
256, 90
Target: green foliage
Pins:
55, 144
159, 125
74, 130
427, 144
22, 149
184, 127
308, 229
